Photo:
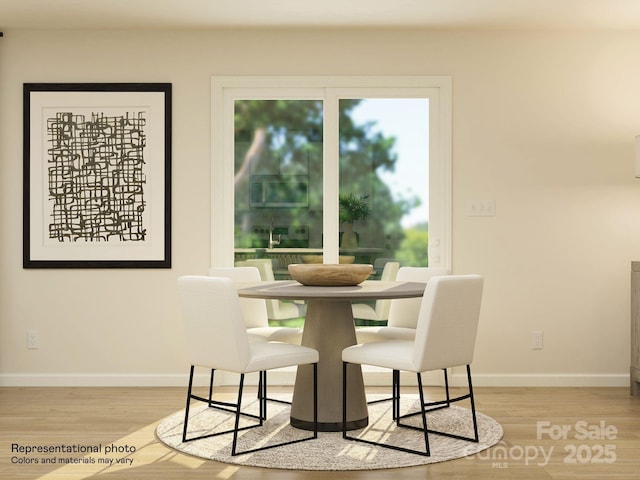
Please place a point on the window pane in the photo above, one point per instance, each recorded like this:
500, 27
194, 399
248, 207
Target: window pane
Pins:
278, 180
384, 170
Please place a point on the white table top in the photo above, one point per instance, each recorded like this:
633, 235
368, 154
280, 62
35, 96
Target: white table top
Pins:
369, 289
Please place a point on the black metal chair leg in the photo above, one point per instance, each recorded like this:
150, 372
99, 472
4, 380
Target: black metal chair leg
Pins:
425, 407
425, 429
237, 422
473, 405
186, 415
237, 412
446, 386
211, 387
361, 440
214, 404
263, 394
315, 400
344, 400
276, 400
396, 395
315, 420
380, 400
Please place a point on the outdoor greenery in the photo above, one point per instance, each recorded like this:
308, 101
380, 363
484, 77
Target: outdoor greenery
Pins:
353, 208
412, 251
284, 138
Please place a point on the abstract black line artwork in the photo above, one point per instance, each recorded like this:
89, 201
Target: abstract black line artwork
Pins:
97, 177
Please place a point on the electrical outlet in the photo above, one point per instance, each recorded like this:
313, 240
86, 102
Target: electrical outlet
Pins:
536, 340
32, 339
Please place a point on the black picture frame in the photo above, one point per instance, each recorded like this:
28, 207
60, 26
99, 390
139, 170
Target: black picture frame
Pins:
97, 175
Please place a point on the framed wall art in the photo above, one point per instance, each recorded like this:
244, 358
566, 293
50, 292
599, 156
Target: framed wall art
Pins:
97, 175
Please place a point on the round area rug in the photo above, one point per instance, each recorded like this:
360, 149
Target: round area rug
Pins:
330, 451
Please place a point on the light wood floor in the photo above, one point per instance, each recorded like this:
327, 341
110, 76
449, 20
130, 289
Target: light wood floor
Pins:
126, 418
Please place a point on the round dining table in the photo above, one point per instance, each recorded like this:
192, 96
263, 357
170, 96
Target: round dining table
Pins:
329, 328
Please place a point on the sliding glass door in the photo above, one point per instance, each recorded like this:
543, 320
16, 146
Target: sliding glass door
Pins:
330, 169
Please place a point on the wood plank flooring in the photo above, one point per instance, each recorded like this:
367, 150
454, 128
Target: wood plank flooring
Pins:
550, 433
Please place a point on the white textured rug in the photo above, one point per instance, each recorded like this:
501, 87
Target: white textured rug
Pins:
330, 451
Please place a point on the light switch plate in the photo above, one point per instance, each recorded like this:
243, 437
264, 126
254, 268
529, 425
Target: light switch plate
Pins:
481, 208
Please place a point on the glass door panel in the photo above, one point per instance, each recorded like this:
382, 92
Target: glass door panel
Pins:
384, 181
278, 181
383, 189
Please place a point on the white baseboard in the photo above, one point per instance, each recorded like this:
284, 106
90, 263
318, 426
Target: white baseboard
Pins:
97, 380
545, 380
286, 377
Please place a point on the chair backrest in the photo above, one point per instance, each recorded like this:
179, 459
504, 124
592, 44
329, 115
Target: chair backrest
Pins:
254, 310
389, 274
265, 267
448, 322
380, 262
404, 312
214, 329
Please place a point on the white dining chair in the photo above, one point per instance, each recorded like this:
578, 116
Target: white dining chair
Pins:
379, 312
276, 309
445, 337
254, 310
403, 312
217, 339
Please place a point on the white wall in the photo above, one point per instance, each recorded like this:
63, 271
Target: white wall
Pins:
542, 122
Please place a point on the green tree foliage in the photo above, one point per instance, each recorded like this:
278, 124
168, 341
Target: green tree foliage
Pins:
412, 251
284, 138
364, 153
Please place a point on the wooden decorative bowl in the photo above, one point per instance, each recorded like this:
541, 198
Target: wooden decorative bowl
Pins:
318, 259
330, 275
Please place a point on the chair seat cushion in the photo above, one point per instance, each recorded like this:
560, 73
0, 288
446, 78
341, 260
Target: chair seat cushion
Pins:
281, 310
269, 355
364, 311
378, 334
393, 354
275, 334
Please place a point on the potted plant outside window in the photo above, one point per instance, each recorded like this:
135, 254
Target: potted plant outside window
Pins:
353, 209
